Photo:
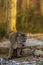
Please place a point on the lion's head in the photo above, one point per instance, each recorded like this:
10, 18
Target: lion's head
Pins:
17, 39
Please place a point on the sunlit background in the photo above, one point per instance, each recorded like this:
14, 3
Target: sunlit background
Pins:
19, 15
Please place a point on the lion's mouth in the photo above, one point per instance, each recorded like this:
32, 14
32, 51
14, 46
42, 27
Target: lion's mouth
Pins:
24, 41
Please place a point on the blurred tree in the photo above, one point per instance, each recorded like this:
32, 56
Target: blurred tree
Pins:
12, 15
29, 18
3, 17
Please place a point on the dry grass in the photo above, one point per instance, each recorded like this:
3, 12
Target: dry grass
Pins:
34, 35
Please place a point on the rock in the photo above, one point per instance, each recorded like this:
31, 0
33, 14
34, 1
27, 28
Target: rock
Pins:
26, 63
5, 44
38, 53
39, 47
27, 52
33, 42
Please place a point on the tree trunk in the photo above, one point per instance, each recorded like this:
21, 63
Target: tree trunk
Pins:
12, 15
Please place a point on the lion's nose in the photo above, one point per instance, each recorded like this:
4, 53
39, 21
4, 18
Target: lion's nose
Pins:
23, 41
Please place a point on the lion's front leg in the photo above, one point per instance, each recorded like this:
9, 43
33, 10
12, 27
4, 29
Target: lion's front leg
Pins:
19, 52
10, 53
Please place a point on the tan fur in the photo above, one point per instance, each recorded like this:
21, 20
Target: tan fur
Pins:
16, 42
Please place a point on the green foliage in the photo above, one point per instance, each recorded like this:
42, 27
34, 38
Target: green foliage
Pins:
30, 21
32, 24
2, 29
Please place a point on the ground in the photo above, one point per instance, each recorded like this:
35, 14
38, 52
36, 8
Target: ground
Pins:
6, 43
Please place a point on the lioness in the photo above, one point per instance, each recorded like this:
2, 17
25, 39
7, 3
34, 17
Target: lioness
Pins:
17, 40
